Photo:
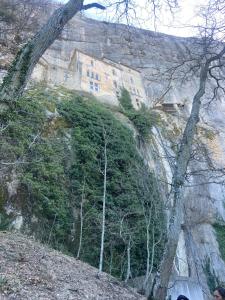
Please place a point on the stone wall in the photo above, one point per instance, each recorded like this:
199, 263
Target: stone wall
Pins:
103, 78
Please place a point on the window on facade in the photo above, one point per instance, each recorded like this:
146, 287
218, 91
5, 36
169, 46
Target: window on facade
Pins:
97, 76
115, 83
97, 88
91, 84
92, 63
131, 80
138, 102
88, 73
79, 67
65, 76
114, 72
92, 75
138, 92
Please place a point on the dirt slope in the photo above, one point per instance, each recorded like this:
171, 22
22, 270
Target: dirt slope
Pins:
31, 271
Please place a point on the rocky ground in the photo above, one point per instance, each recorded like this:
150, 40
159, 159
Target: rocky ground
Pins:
32, 271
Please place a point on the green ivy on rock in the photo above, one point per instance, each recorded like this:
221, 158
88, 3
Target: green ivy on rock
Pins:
143, 119
61, 166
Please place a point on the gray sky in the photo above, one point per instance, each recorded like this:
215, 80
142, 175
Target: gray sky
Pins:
178, 25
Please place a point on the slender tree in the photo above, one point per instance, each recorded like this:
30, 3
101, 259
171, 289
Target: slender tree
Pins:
81, 219
211, 64
103, 199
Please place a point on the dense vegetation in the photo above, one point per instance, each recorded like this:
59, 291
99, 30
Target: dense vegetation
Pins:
59, 158
220, 234
211, 277
143, 119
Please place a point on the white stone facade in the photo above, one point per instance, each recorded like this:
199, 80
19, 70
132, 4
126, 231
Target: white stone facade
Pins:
103, 78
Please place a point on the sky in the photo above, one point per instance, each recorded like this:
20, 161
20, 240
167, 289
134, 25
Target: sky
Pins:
177, 25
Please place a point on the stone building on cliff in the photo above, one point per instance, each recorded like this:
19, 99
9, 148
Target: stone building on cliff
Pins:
103, 78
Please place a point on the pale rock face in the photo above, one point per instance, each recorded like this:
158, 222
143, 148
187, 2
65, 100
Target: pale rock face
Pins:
181, 257
189, 289
17, 223
2, 74
162, 149
12, 185
217, 193
152, 53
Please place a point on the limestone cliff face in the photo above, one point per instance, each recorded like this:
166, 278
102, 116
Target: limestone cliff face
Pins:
198, 255
152, 53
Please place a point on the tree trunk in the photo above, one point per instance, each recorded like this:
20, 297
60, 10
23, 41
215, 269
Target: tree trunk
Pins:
182, 160
103, 203
15, 81
81, 221
128, 260
171, 246
147, 274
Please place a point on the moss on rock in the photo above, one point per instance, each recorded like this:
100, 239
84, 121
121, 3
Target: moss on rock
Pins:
220, 236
